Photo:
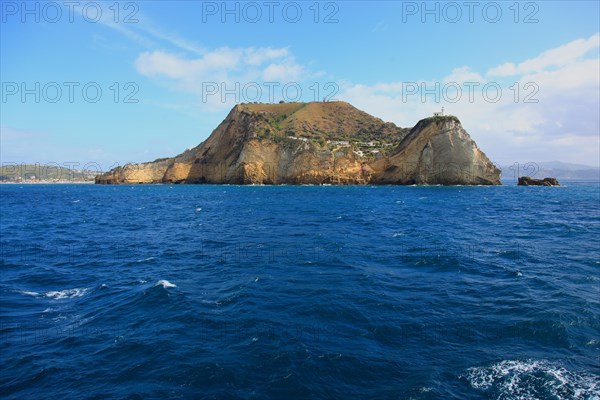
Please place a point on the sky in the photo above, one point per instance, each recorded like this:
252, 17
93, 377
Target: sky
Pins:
98, 84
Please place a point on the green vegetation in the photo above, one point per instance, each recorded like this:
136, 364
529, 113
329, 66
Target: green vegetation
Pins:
329, 126
441, 118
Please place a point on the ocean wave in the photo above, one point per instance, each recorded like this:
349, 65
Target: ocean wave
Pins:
533, 379
145, 259
30, 293
67, 293
165, 284
58, 294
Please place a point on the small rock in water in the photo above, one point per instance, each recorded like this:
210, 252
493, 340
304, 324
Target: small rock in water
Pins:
528, 181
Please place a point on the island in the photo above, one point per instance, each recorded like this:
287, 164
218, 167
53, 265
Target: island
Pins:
320, 143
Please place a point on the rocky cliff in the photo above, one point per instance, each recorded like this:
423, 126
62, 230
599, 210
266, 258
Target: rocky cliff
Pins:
436, 151
320, 143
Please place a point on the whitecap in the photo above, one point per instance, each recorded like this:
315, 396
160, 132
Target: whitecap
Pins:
29, 293
66, 294
531, 378
76, 201
145, 259
198, 209
165, 284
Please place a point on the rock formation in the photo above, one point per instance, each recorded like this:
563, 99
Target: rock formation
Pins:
527, 181
437, 151
320, 143
149, 172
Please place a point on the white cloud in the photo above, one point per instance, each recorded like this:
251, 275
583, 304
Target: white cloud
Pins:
286, 71
253, 56
564, 123
222, 66
161, 63
554, 58
577, 75
463, 74
506, 69
139, 27
172, 39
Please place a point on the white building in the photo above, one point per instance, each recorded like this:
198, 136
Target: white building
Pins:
298, 138
339, 142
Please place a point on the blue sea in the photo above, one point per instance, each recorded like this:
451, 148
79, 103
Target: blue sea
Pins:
311, 292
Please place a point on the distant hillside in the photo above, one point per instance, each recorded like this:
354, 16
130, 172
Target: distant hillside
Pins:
555, 169
13, 172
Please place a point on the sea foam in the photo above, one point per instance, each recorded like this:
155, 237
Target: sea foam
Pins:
66, 294
515, 379
165, 284
58, 294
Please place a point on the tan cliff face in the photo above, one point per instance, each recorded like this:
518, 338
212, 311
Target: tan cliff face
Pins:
150, 172
319, 143
437, 151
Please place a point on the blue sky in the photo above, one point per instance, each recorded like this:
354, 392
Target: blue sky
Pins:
162, 67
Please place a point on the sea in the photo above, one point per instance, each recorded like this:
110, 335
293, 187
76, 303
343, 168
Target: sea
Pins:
300, 292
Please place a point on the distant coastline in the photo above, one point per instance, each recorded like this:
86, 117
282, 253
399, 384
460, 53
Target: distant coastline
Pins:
51, 173
48, 183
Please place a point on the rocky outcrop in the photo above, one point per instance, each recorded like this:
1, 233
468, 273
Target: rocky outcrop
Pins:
437, 151
527, 181
150, 172
320, 143
291, 143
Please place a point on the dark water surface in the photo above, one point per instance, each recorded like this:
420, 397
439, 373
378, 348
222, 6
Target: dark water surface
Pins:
300, 292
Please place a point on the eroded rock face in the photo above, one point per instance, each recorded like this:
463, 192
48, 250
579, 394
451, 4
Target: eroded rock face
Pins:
437, 151
527, 181
320, 143
150, 172
282, 144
